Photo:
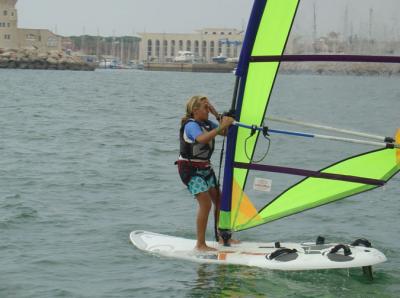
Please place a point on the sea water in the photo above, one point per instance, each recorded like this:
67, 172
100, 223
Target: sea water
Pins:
87, 157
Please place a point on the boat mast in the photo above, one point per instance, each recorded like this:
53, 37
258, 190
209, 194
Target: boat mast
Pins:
315, 23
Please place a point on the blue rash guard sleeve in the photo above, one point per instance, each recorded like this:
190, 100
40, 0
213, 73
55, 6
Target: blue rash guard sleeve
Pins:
193, 130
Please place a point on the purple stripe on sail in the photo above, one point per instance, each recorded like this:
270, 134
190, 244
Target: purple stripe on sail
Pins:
308, 173
326, 58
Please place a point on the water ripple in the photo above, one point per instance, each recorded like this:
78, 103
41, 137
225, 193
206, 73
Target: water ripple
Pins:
88, 157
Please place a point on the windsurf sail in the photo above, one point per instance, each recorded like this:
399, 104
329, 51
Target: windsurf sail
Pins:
263, 50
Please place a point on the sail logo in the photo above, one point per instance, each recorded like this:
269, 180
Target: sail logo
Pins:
262, 184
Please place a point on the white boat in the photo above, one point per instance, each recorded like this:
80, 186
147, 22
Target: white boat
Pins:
109, 63
185, 57
133, 64
219, 59
232, 60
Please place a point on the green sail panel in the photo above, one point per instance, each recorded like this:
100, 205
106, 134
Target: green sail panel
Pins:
271, 39
313, 192
258, 88
275, 27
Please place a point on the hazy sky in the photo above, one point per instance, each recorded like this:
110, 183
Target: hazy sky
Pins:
73, 17
126, 16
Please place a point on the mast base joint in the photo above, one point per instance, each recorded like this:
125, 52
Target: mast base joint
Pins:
226, 235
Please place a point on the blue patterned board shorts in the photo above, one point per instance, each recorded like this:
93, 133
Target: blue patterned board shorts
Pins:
198, 184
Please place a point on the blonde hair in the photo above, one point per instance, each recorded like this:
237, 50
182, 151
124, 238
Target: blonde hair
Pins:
193, 103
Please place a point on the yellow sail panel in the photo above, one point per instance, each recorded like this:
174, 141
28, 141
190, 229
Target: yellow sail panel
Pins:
244, 210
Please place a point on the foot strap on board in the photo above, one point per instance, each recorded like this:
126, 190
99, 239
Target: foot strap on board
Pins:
362, 241
346, 249
280, 252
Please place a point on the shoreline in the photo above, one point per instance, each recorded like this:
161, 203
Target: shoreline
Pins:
59, 61
318, 68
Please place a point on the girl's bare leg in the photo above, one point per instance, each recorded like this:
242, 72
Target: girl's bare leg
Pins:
204, 200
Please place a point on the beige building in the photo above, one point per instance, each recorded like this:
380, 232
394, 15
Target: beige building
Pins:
12, 37
204, 44
8, 24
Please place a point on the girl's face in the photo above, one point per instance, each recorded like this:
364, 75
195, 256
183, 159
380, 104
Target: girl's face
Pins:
201, 113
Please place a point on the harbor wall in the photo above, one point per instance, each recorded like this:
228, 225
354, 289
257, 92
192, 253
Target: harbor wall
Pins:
31, 59
189, 67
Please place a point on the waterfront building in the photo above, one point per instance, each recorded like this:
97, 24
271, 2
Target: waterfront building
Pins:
204, 44
12, 37
8, 24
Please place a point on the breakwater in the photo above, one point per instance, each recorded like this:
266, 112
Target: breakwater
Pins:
32, 59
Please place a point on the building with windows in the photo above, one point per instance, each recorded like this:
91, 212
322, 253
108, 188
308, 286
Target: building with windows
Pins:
204, 44
8, 24
12, 37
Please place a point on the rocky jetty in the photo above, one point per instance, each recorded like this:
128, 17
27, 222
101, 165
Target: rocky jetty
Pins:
33, 59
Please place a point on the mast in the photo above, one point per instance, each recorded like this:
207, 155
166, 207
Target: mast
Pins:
241, 72
346, 23
113, 45
83, 41
98, 43
122, 49
371, 12
315, 23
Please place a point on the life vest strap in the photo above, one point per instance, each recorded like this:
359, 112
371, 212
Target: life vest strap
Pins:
194, 164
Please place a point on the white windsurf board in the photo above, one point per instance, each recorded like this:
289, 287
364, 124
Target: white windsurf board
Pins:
308, 256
